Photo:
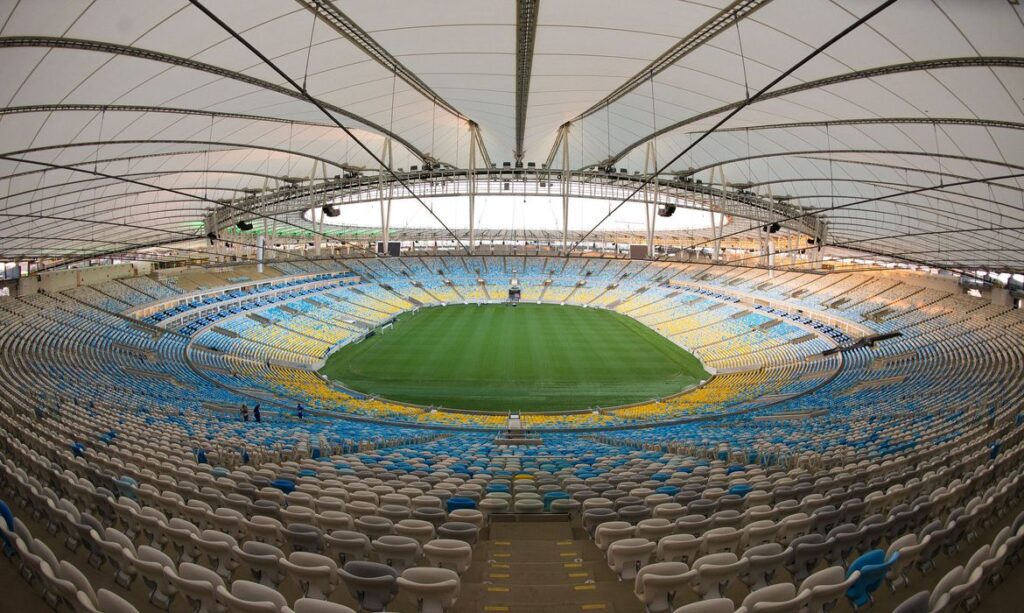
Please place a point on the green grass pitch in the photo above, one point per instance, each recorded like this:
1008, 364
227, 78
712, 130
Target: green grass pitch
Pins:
531, 357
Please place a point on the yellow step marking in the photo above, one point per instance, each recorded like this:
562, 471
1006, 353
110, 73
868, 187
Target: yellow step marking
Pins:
595, 606
503, 555
568, 554
564, 543
499, 575
495, 608
577, 575
498, 588
572, 565
496, 565
502, 542
585, 586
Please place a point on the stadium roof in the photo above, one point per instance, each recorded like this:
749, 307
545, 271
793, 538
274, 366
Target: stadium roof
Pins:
123, 122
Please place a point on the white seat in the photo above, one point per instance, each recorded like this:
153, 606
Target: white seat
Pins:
179, 534
469, 516
316, 575
374, 526
433, 590
219, 548
908, 548
658, 585
715, 572
459, 530
940, 597
152, 521
765, 561
329, 521
825, 587
150, 563
422, 531
198, 585
965, 595
669, 510
249, 597
105, 602
398, 552
230, 522
793, 527
297, 515
679, 548
373, 585
627, 556
721, 540
71, 575
449, 553
759, 533
265, 530
655, 529
311, 605
113, 544
714, 605
56, 589
345, 546
778, 598
262, 560
609, 532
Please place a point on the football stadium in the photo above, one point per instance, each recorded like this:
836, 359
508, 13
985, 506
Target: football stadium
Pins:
501, 306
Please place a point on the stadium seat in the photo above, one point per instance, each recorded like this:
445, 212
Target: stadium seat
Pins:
433, 590
373, 585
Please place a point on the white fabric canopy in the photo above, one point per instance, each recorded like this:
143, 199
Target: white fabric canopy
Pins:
110, 104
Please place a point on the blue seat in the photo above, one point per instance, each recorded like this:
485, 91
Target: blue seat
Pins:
126, 487
8, 517
550, 497
458, 502
740, 490
873, 567
285, 485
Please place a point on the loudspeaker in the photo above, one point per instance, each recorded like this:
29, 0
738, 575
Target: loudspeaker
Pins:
244, 226
330, 211
666, 210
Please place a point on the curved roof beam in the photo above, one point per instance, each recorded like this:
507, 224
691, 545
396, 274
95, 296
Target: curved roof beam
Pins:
879, 184
154, 174
865, 121
526, 34
135, 141
808, 152
842, 224
726, 18
926, 171
50, 42
182, 236
328, 13
920, 190
136, 108
861, 230
878, 71
302, 91
124, 158
255, 214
